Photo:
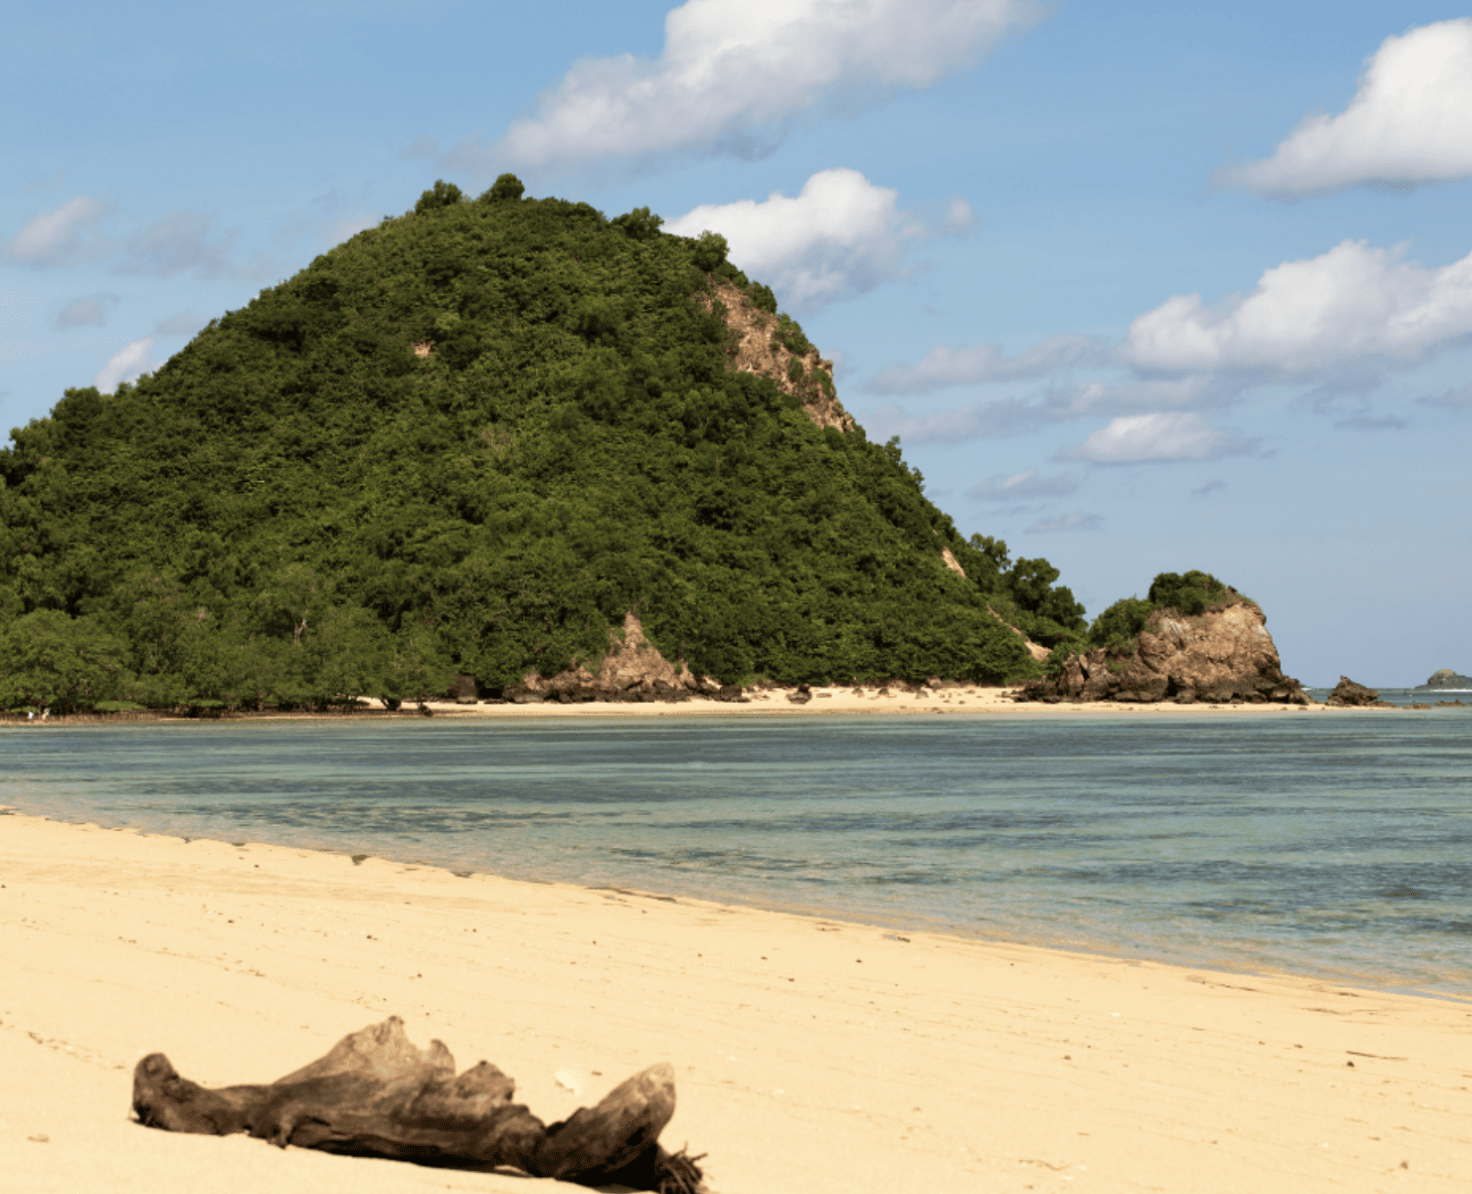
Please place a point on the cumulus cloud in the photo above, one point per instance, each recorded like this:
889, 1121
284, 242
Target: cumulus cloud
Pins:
126, 364
945, 366
1351, 304
177, 244
735, 73
1407, 124
1066, 522
61, 237
90, 310
841, 235
1023, 487
1165, 436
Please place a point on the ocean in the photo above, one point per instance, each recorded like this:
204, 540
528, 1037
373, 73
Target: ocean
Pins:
1318, 845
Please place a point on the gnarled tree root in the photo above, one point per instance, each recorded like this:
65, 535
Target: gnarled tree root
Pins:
377, 1094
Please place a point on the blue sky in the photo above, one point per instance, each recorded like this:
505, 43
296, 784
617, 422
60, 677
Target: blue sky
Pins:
1142, 287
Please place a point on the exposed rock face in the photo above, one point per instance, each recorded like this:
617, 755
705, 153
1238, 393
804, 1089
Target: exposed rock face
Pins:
1221, 655
757, 348
632, 670
1347, 694
1446, 678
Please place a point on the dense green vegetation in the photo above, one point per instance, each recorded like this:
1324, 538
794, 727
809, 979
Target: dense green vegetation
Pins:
471, 439
1116, 628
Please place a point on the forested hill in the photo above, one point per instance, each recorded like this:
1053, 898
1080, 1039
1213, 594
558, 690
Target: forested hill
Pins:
472, 439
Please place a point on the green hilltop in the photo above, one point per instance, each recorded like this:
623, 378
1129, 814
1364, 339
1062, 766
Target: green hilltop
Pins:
470, 440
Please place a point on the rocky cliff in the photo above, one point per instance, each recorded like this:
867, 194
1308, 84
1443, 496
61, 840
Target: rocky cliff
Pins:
1222, 655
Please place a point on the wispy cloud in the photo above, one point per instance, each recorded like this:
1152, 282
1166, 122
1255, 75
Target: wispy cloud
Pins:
91, 310
1166, 436
1457, 399
64, 236
1208, 489
1066, 522
734, 74
1406, 125
175, 244
1023, 486
1369, 422
185, 323
945, 365
840, 236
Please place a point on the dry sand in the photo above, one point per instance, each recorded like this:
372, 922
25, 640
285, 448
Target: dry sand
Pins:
812, 1055
975, 699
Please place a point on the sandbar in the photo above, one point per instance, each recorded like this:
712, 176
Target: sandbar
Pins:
811, 1054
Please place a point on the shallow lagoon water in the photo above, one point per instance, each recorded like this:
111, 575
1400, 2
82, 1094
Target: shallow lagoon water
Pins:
1339, 847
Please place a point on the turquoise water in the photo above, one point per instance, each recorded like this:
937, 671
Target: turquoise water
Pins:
1318, 845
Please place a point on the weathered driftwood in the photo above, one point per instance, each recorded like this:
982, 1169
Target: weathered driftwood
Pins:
377, 1094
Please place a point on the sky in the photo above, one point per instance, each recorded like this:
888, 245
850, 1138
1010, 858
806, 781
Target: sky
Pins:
1142, 287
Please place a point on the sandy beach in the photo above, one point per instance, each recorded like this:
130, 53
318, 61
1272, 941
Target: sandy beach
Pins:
970, 699
812, 1055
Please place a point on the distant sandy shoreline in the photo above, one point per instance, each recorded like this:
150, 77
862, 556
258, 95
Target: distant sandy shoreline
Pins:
811, 1054
973, 700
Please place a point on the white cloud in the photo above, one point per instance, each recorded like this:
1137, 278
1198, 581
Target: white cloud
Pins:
1407, 124
1022, 487
734, 73
126, 364
977, 364
1167, 435
1307, 317
1066, 522
88, 311
841, 235
60, 237
176, 244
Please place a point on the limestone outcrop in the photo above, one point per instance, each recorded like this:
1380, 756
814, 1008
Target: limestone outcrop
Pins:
758, 346
1222, 655
633, 670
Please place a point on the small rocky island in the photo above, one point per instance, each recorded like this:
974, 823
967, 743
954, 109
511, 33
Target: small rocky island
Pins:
1192, 639
1445, 678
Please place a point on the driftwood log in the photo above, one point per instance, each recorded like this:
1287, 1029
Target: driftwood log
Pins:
376, 1094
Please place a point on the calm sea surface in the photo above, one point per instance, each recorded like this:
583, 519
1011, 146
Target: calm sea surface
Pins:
1339, 847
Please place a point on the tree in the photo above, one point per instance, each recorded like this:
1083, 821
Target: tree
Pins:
442, 194
51, 661
506, 189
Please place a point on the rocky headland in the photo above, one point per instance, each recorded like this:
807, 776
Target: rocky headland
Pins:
1221, 655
